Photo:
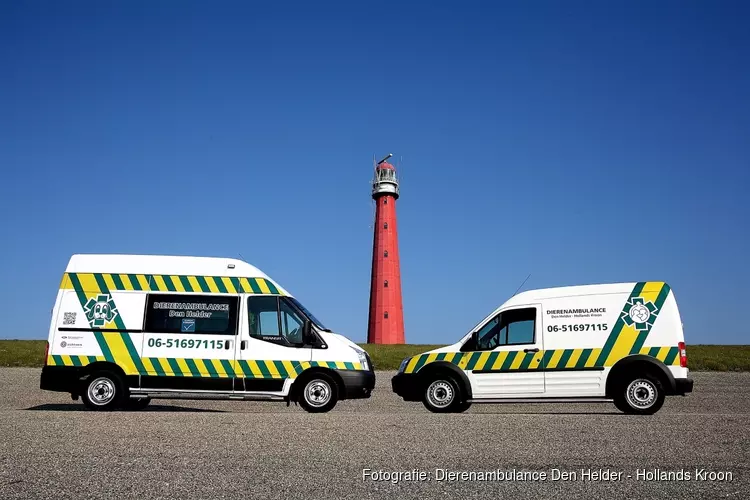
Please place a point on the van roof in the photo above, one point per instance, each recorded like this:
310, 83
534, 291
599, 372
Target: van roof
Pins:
532, 296
162, 264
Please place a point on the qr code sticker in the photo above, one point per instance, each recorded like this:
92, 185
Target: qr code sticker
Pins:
69, 318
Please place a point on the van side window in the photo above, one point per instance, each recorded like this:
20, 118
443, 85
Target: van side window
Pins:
513, 327
291, 324
520, 328
488, 335
206, 314
263, 317
273, 319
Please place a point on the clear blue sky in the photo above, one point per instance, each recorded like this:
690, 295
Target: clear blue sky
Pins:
580, 142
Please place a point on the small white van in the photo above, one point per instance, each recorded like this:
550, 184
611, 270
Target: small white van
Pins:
617, 342
129, 328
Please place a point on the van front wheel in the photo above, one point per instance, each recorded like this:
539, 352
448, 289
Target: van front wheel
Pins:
318, 394
443, 395
641, 395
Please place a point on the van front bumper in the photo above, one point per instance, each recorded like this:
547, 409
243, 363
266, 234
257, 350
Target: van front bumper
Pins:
407, 386
358, 384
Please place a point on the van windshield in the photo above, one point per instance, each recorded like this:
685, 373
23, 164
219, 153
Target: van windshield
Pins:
307, 313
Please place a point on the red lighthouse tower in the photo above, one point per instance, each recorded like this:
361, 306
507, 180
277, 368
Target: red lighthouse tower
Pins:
386, 325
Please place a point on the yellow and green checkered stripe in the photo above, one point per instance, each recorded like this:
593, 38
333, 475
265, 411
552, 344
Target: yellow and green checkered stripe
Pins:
223, 368
553, 359
167, 283
212, 368
71, 360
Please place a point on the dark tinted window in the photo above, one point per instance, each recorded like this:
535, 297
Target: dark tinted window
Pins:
191, 314
263, 316
488, 335
512, 327
273, 319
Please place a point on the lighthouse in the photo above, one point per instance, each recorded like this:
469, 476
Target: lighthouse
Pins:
386, 323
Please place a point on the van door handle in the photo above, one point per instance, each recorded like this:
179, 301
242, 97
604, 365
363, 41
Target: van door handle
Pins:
228, 345
536, 349
243, 344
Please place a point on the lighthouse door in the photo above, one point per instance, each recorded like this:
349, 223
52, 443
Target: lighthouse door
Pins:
511, 350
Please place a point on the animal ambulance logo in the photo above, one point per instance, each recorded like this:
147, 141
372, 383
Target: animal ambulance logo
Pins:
641, 314
100, 310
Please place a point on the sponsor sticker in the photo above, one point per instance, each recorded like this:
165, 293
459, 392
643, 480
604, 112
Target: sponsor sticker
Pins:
188, 326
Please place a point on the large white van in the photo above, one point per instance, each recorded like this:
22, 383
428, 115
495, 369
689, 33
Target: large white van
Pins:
618, 342
128, 328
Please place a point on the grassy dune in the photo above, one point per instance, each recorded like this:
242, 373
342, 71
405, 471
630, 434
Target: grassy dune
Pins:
388, 357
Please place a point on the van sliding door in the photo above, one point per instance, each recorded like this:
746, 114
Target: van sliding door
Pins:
189, 341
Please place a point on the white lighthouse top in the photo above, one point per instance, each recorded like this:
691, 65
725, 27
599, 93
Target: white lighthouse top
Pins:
385, 181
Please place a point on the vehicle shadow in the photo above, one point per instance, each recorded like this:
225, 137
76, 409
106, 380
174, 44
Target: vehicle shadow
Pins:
150, 408
559, 413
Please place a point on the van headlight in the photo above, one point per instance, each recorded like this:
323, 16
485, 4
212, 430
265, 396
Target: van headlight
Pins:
362, 355
403, 364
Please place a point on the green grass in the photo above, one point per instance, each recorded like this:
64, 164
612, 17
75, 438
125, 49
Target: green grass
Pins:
388, 357
22, 352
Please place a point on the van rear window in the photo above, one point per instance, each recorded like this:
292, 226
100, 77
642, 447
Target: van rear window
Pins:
167, 313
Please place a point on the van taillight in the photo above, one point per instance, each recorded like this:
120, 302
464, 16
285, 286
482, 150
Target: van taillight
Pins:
46, 354
683, 354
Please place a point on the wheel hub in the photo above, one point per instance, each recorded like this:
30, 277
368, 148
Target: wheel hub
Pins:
101, 391
317, 393
440, 394
641, 394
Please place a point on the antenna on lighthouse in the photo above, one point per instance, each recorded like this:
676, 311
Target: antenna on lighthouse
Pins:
386, 158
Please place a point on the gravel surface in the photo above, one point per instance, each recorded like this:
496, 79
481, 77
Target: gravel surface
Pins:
51, 447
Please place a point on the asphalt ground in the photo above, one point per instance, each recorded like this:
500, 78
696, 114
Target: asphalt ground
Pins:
50, 447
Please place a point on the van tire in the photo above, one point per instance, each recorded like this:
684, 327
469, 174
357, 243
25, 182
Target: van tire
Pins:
103, 391
642, 394
318, 393
442, 394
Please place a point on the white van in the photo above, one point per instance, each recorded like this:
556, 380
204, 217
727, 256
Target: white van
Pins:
128, 328
616, 342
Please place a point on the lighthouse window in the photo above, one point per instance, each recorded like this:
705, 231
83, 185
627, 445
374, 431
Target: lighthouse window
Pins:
385, 201
385, 254
385, 226
385, 284
385, 315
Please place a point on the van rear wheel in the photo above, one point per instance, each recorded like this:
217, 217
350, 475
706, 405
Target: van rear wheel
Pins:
319, 393
640, 395
103, 391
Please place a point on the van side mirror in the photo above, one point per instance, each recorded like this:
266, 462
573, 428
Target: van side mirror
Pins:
471, 344
307, 335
